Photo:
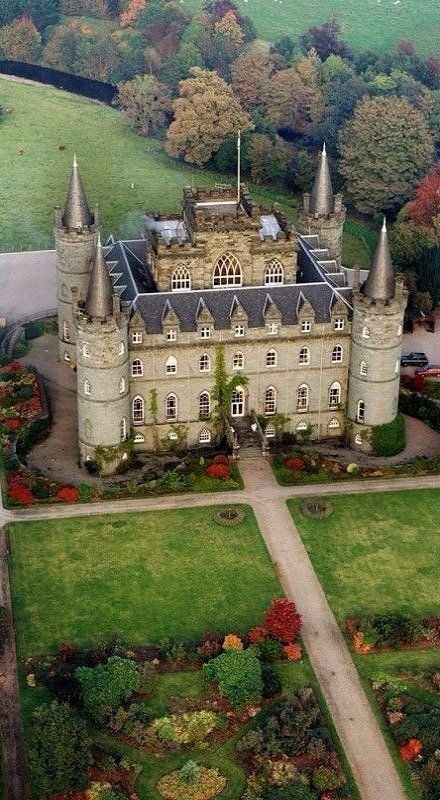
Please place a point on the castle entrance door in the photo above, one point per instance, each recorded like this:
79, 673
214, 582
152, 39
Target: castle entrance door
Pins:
237, 403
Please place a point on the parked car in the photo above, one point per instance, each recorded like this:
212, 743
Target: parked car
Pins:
414, 360
433, 371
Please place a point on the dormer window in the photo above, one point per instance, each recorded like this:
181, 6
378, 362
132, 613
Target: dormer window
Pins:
339, 324
272, 328
205, 332
171, 335
239, 330
136, 337
306, 326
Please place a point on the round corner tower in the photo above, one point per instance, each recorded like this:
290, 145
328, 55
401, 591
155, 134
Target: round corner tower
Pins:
376, 348
102, 373
75, 240
323, 213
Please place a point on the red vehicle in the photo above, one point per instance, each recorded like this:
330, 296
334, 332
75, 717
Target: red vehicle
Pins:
433, 371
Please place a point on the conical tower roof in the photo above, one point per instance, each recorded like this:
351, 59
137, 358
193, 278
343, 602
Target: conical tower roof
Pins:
99, 300
380, 284
77, 215
322, 199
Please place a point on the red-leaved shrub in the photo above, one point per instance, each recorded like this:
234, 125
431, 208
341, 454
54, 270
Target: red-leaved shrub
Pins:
411, 749
220, 471
220, 458
12, 424
282, 621
295, 464
257, 635
68, 494
21, 494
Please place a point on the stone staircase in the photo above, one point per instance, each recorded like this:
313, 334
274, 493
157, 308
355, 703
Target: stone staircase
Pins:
249, 441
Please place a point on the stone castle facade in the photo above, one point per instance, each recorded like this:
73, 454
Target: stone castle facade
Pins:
145, 323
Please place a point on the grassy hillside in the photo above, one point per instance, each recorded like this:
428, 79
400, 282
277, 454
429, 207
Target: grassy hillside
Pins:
111, 158
370, 24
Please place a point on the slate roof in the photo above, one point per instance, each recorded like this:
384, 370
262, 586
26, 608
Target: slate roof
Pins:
253, 299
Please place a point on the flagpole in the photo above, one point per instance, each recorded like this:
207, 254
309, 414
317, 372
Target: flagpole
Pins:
238, 165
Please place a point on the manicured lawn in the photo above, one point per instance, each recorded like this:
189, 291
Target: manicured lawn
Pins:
377, 552
111, 158
143, 576
366, 25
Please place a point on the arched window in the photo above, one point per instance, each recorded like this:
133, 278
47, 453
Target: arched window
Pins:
237, 402
304, 355
337, 354
271, 358
301, 427
171, 407
302, 403
139, 438
138, 410
123, 429
171, 365
88, 430
334, 397
205, 436
121, 349
364, 369
227, 271
137, 368
86, 350
205, 363
66, 356
366, 332
358, 439
274, 273
238, 361
270, 431
360, 415
122, 386
204, 405
270, 400
87, 387
334, 424
66, 331
180, 279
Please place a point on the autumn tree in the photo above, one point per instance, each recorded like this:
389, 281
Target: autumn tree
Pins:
206, 113
425, 208
146, 103
325, 39
251, 74
268, 158
294, 99
20, 41
133, 9
386, 148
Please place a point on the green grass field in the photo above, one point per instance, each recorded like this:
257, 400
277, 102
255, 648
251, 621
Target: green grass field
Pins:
143, 576
377, 552
371, 24
111, 158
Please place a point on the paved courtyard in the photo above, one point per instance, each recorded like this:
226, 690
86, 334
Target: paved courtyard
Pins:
27, 284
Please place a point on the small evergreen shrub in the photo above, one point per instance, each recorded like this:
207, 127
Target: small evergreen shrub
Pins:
389, 439
34, 329
238, 674
271, 682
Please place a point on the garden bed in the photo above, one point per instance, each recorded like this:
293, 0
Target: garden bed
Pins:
378, 633
308, 467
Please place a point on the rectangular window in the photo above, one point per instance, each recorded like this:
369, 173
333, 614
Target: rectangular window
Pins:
339, 324
239, 330
171, 336
306, 326
205, 332
136, 337
272, 328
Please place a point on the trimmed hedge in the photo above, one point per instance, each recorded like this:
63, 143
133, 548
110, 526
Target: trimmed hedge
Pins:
389, 439
423, 408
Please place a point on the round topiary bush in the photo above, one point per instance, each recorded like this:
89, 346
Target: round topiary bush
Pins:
229, 516
317, 507
192, 782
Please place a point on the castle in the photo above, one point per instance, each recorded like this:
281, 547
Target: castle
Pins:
145, 322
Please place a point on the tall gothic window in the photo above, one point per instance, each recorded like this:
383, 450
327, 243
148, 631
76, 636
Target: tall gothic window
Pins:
137, 368
364, 369
274, 273
271, 358
270, 400
138, 410
180, 279
204, 436
205, 363
360, 415
304, 355
204, 405
334, 398
171, 408
171, 365
87, 387
302, 403
337, 354
238, 361
227, 271
123, 429
66, 331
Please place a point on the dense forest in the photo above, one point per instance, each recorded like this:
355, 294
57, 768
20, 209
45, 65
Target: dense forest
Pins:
193, 79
